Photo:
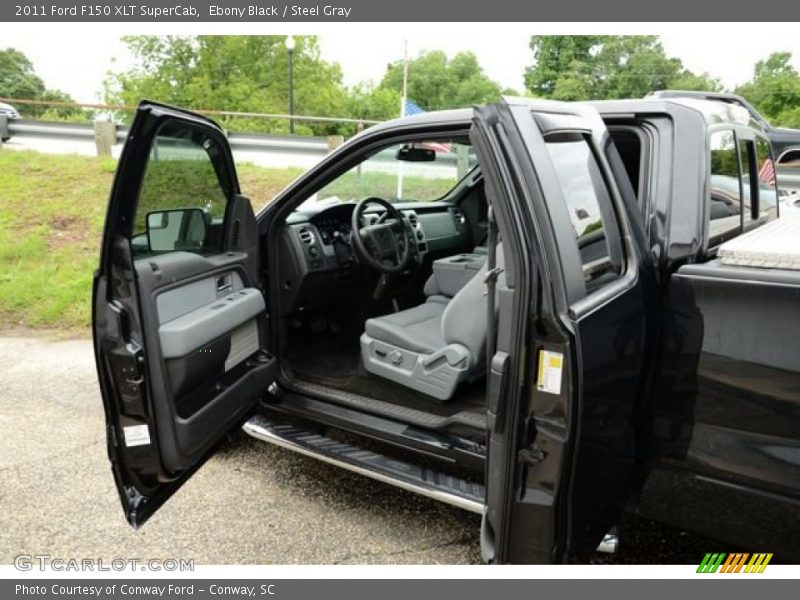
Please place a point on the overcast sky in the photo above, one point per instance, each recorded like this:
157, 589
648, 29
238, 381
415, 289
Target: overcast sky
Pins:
75, 58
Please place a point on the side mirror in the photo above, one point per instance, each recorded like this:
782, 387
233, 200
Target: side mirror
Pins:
416, 154
176, 229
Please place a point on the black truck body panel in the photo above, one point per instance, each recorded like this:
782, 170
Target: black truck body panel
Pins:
724, 416
726, 429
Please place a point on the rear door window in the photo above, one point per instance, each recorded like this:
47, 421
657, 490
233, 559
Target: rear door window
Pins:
725, 211
589, 206
767, 180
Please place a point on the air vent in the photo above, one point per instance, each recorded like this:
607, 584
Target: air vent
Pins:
459, 216
413, 219
307, 236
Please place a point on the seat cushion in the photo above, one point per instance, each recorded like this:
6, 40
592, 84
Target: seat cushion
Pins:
417, 329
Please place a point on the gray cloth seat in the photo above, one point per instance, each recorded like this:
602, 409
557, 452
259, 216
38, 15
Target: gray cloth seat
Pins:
434, 346
418, 329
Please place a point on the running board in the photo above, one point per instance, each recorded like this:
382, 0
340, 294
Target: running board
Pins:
404, 475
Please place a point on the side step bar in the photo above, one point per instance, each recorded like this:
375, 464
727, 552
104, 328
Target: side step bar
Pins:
405, 475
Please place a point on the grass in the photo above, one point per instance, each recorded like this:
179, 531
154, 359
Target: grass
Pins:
52, 210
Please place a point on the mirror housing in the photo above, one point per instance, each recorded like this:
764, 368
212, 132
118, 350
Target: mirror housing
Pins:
416, 154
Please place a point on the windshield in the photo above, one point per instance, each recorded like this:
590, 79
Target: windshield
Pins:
430, 170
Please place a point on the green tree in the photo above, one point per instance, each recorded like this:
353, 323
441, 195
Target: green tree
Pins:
234, 73
436, 82
17, 77
775, 90
555, 56
371, 102
63, 113
606, 67
19, 80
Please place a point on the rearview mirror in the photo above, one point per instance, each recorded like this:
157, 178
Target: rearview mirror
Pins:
416, 154
176, 229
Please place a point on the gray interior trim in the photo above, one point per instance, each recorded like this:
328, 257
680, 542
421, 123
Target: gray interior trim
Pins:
192, 330
178, 301
244, 343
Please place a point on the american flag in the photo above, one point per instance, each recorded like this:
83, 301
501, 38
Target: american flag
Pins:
412, 108
767, 172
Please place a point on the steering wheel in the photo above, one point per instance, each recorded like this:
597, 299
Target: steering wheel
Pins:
385, 245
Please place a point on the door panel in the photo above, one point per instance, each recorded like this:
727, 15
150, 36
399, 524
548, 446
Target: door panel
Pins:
194, 377
570, 438
180, 322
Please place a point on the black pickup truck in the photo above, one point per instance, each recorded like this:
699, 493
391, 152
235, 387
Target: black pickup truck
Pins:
517, 309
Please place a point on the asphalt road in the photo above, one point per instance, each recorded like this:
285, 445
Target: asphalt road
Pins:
250, 504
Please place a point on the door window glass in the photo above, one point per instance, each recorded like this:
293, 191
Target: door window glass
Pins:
182, 199
589, 206
725, 193
767, 180
747, 163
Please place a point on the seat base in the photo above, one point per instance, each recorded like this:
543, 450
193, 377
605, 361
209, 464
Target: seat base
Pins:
436, 374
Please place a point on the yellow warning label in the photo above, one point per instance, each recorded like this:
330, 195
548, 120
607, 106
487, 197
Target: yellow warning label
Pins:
551, 365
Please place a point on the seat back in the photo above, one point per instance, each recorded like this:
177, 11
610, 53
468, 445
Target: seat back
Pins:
464, 320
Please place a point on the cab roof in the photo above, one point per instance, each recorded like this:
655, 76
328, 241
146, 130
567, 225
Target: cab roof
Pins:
713, 112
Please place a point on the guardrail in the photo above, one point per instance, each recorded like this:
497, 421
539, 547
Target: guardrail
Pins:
106, 134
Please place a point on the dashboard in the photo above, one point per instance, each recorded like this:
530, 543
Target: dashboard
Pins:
316, 248
333, 230
317, 231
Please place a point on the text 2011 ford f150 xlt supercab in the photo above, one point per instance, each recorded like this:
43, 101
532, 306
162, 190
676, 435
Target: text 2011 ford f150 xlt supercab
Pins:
519, 306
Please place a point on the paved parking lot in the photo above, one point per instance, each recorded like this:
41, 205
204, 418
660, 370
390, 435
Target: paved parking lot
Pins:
250, 504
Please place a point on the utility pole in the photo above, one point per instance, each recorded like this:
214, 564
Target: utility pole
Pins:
403, 114
290, 49
405, 79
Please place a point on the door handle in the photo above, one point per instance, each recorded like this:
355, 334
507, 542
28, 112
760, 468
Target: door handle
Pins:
224, 284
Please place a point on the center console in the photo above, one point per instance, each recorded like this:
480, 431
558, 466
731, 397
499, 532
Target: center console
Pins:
452, 273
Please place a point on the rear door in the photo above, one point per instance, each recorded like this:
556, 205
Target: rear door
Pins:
575, 332
179, 313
